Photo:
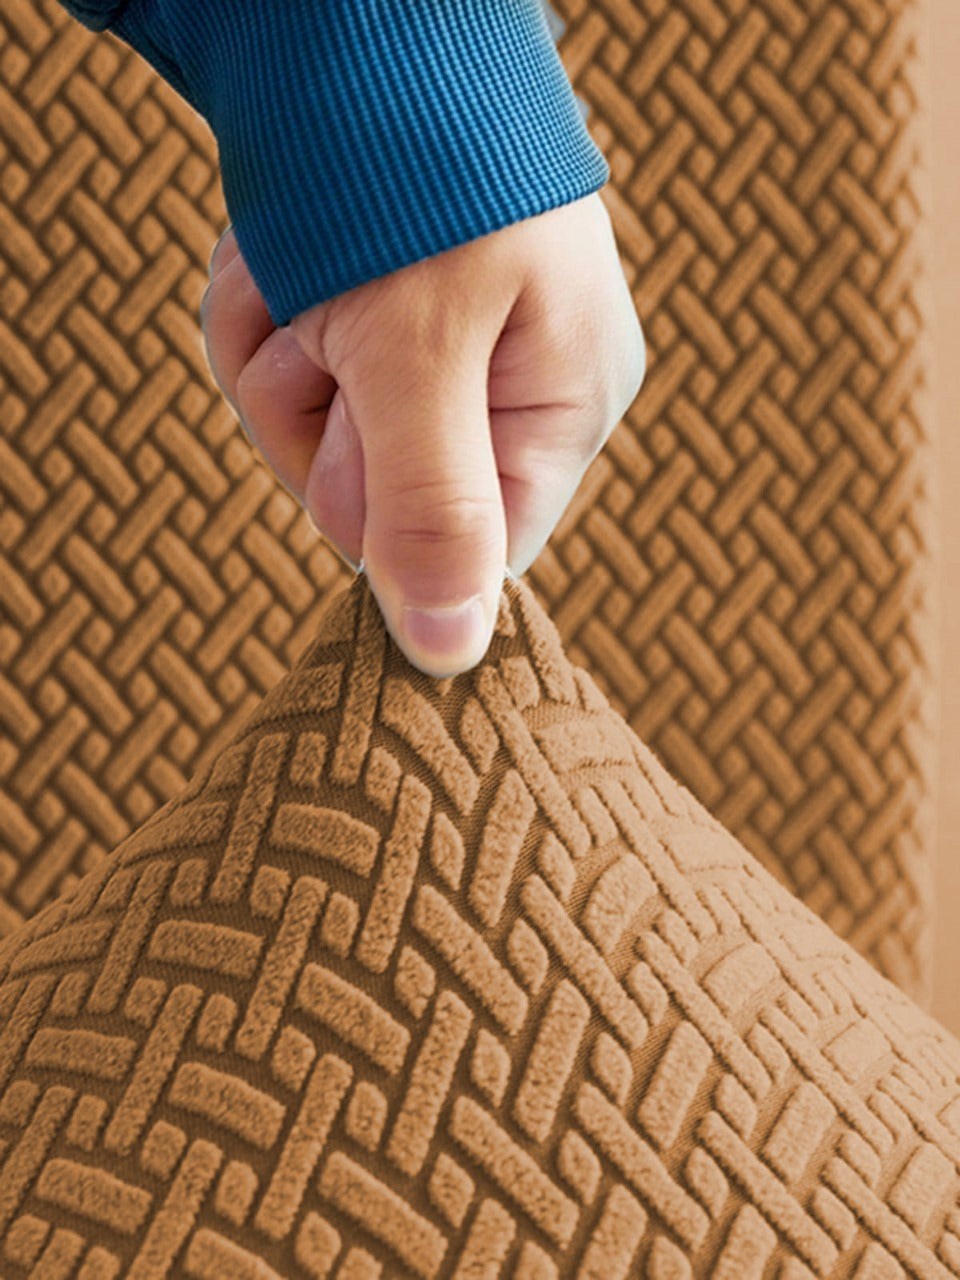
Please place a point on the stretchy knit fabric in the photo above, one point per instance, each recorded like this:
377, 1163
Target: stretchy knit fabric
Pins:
748, 569
428, 978
358, 136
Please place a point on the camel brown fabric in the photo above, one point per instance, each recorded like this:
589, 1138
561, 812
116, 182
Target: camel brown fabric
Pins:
428, 978
743, 571
748, 569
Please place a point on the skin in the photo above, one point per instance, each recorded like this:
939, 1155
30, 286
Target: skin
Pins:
436, 422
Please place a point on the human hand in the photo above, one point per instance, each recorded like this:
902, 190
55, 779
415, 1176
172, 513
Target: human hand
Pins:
436, 422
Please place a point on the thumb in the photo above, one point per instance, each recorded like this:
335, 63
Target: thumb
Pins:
435, 535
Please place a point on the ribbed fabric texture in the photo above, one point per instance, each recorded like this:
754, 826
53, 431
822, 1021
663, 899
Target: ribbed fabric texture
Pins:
93, 14
436, 979
359, 136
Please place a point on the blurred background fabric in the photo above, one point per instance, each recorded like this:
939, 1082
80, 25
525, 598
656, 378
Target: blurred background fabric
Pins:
750, 568
942, 30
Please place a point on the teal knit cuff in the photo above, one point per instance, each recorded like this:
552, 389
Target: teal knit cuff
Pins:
359, 136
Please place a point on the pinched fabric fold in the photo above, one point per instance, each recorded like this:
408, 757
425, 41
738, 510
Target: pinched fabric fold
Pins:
451, 978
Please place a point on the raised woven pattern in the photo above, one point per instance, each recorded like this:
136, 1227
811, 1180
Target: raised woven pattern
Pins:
451, 979
155, 579
746, 568
743, 571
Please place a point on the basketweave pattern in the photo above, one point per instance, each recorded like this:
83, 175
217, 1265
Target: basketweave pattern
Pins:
155, 578
451, 978
746, 568
743, 570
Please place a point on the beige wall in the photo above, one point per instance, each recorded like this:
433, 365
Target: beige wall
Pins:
943, 135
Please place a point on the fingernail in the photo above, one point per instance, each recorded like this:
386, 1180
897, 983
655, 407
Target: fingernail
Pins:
445, 633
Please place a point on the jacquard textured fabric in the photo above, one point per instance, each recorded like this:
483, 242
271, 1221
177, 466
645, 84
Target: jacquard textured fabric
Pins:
745, 570
748, 569
450, 978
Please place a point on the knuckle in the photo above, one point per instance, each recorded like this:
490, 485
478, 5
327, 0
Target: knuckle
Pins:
582, 428
607, 409
360, 323
243, 385
639, 363
634, 369
246, 392
598, 436
443, 518
612, 386
587, 420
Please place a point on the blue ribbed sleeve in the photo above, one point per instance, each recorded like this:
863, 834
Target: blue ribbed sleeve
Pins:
358, 136
96, 14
